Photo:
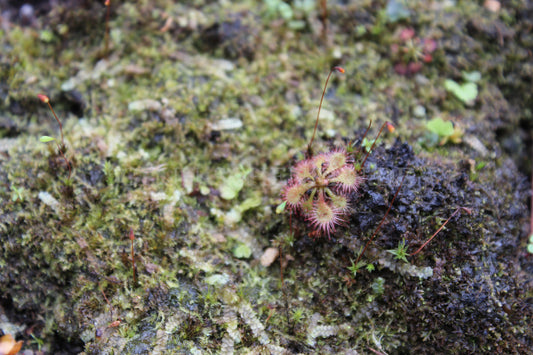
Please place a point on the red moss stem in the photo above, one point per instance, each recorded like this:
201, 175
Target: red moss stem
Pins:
386, 124
340, 70
132, 237
106, 35
467, 210
65, 159
367, 129
60, 148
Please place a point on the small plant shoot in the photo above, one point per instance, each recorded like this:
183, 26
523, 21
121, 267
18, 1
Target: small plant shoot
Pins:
47, 139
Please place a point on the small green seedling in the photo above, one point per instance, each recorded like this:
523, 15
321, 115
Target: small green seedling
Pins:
18, 194
46, 139
466, 92
356, 266
440, 127
400, 253
281, 207
233, 184
367, 144
242, 251
444, 130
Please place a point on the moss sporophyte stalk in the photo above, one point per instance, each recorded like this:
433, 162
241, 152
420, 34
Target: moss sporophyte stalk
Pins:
46, 139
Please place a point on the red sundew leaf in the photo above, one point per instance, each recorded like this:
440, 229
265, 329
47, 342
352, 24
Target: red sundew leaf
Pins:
406, 34
324, 217
430, 45
400, 68
414, 67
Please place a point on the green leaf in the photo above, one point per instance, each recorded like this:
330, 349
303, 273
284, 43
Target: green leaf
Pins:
367, 143
466, 92
473, 76
233, 184
531, 238
251, 202
242, 251
530, 248
46, 139
440, 127
281, 207
285, 10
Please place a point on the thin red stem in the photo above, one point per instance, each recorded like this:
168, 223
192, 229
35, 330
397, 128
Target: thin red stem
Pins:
340, 70
106, 36
467, 210
352, 142
58, 122
281, 267
108, 303
381, 223
132, 237
373, 144
324, 18
367, 129
65, 158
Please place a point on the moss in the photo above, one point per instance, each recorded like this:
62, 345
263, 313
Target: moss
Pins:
162, 172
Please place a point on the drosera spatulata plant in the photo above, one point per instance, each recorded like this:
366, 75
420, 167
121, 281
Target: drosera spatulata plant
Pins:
320, 185
46, 139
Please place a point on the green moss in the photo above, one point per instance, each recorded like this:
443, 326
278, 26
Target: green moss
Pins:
200, 224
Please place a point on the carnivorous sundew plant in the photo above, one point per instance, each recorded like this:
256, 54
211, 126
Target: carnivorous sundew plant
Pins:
320, 185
